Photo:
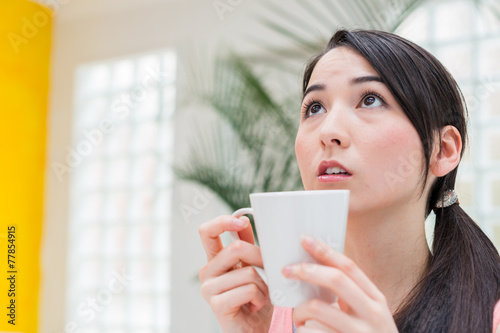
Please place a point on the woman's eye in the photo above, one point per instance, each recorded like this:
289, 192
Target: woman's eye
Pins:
316, 108
371, 101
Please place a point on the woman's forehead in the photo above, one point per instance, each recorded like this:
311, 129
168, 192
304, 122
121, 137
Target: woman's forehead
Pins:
341, 63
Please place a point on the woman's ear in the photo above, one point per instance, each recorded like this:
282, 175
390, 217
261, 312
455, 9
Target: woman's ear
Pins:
446, 157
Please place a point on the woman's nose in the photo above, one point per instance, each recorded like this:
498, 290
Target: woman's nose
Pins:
333, 131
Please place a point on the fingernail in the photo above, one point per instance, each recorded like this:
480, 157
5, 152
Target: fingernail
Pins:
239, 223
288, 270
308, 241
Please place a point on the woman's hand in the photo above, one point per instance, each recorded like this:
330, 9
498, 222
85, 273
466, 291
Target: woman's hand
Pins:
361, 306
233, 289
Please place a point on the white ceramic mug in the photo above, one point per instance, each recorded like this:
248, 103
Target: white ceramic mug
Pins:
281, 218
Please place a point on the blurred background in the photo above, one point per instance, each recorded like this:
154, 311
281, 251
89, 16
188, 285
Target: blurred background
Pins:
129, 123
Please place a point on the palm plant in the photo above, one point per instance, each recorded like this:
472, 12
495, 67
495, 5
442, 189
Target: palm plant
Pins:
250, 149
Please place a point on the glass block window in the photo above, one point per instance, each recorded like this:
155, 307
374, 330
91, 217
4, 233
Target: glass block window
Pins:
119, 229
465, 36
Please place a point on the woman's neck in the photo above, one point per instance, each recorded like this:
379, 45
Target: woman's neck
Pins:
391, 248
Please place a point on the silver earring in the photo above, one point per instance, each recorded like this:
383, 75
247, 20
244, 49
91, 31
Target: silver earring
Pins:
449, 198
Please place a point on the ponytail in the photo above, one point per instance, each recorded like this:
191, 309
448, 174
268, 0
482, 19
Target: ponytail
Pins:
461, 283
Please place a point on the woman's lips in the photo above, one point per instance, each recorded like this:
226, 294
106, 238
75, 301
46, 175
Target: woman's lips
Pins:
334, 178
332, 171
332, 168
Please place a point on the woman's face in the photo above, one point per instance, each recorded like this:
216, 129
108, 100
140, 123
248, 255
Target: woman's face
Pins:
353, 135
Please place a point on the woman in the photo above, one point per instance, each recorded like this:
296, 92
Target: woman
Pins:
391, 117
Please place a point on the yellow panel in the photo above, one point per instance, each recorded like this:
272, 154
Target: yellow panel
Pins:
25, 30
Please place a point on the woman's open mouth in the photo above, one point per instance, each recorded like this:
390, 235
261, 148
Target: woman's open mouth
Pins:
332, 171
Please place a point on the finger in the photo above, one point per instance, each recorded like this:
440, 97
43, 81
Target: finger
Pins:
231, 255
247, 234
319, 326
326, 315
305, 329
232, 300
328, 256
335, 280
211, 230
201, 273
232, 280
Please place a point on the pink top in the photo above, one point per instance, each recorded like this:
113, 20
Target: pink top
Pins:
282, 319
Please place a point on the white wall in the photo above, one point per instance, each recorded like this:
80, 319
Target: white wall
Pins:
90, 30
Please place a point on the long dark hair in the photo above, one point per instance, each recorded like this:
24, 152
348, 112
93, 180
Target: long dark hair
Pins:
461, 282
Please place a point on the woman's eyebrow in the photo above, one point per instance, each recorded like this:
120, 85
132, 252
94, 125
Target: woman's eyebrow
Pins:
354, 81
314, 87
364, 79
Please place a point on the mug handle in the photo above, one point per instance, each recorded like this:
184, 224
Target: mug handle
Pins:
234, 237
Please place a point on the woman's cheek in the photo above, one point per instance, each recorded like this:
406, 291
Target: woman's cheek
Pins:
303, 154
401, 159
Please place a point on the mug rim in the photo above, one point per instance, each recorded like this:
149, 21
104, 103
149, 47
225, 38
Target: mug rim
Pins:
297, 193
